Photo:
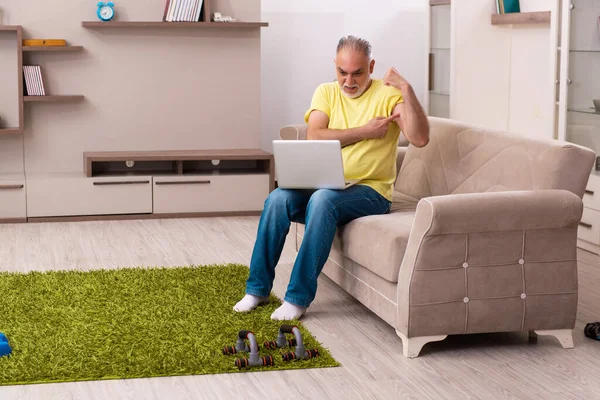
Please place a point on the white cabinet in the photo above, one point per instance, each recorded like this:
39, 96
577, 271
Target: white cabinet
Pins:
152, 184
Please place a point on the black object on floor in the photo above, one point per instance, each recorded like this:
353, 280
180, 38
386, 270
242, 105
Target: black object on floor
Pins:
592, 330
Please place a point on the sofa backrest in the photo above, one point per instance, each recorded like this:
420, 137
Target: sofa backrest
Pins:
462, 158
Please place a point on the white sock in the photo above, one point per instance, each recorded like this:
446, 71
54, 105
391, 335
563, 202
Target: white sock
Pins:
249, 303
288, 311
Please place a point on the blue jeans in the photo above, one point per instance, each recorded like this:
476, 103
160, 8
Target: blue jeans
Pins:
321, 211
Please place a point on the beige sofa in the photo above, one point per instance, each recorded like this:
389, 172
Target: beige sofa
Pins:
482, 237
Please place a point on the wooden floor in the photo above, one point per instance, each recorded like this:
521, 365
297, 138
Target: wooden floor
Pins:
498, 366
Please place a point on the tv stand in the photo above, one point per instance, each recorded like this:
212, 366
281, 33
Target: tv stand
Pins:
155, 184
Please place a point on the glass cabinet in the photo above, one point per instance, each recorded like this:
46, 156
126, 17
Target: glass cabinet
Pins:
439, 59
579, 100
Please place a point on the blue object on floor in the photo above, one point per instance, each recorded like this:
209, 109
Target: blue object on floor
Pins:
4, 346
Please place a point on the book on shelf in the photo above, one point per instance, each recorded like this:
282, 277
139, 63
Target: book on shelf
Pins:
34, 83
183, 10
507, 6
45, 42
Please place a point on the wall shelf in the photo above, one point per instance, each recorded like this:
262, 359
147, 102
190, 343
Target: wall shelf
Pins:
12, 28
440, 2
168, 25
10, 131
590, 110
538, 17
52, 98
51, 49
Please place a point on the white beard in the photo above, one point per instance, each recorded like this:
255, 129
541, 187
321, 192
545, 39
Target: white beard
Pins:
359, 92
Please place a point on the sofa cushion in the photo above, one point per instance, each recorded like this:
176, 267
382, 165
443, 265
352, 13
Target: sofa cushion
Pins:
378, 242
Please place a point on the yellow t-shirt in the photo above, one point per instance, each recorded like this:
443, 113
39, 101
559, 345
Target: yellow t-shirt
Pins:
373, 161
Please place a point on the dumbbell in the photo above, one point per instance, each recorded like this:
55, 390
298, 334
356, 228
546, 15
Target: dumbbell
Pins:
240, 344
254, 359
301, 352
281, 340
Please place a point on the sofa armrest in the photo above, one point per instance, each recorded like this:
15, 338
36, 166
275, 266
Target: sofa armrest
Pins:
293, 132
489, 262
501, 211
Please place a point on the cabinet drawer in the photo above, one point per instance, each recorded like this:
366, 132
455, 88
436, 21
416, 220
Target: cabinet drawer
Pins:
70, 195
13, 199
591, 197
210, 193
589, 227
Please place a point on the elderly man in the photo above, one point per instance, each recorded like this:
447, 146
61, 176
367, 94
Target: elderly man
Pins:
366, 115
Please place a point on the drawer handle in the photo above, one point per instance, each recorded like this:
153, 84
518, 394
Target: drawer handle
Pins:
183, 182
101, 183
585, 225
591, 192
11, 186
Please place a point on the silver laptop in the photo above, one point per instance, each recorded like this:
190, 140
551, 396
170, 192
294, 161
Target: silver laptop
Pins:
309, 164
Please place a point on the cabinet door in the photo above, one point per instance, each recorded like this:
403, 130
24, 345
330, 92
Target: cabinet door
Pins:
75, 194
210, 193
589, 227
13, 199
591, 197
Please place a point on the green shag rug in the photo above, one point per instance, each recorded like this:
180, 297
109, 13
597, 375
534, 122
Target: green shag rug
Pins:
133, 323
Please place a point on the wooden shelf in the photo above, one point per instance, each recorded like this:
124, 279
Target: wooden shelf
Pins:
539, 17
167, 25
12, 28
440, 2
10, 131
590, 110
53, 48
176, 155
53, 98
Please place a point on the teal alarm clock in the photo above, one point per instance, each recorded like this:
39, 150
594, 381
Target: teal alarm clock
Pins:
106, 11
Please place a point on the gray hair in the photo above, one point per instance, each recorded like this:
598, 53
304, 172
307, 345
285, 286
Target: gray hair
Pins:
353, 43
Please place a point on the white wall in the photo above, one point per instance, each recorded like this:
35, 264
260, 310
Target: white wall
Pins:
503, 75
299, 45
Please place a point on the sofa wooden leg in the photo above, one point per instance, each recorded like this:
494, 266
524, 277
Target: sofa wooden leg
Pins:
564, 336
411, 347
